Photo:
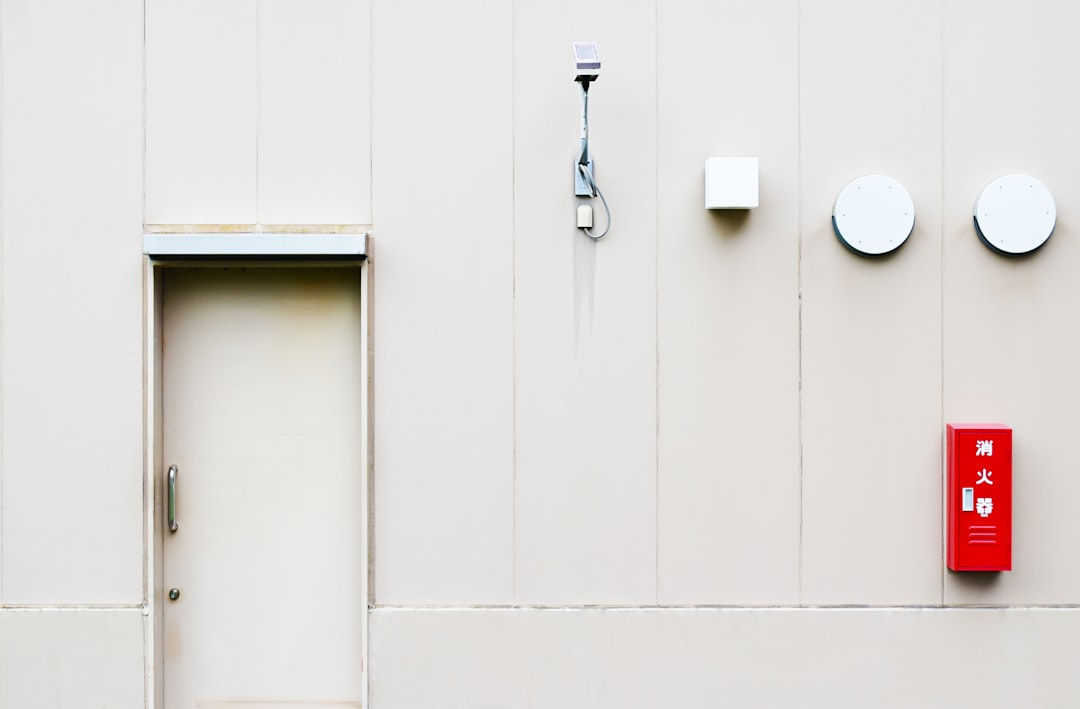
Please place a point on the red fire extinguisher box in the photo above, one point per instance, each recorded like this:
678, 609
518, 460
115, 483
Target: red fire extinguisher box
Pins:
979, 497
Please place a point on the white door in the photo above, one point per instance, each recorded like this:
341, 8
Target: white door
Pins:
261, 416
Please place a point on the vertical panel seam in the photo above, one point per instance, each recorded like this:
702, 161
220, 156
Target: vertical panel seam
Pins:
941, 295
145, 418
144, 131
798, 279
513, 304
3, 283
149, 629
258, 112
656, 304
371, 112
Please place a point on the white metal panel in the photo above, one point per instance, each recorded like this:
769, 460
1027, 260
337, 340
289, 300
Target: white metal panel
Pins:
72, 658
72, 313
585, 311
1011, 347
709, 657
201, 112
727, 325
443, 180
314, 112
870, 376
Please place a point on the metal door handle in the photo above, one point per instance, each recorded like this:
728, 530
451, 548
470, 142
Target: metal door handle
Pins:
173, 526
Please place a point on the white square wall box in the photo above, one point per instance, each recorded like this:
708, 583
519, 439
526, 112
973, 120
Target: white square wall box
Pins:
731, 183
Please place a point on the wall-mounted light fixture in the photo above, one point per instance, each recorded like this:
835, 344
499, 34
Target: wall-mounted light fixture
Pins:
586, 71
1014, 215
731, 183
873, 215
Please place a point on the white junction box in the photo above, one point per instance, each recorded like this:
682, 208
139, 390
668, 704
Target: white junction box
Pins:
731, 183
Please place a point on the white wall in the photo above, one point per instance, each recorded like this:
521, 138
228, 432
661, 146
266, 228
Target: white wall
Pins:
723, 429
70, 355
113, 115
443, 185
705, 658
257, 112
711, 410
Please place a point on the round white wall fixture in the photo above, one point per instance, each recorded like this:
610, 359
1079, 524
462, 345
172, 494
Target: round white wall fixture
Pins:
1015, 214
873, 215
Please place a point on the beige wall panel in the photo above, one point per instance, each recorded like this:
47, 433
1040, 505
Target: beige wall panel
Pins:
314, 112
871, 328
585, 311
728, 306
710, 658
72, 284
63, 659
443, 303
201, 112
1011, 346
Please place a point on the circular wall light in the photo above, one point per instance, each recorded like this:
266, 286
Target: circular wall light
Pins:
1015, 214
873, 215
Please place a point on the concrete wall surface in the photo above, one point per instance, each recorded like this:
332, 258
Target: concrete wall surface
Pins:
71, 658
699, 461
744, 657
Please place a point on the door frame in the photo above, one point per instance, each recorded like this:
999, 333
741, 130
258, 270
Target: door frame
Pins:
153, 464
